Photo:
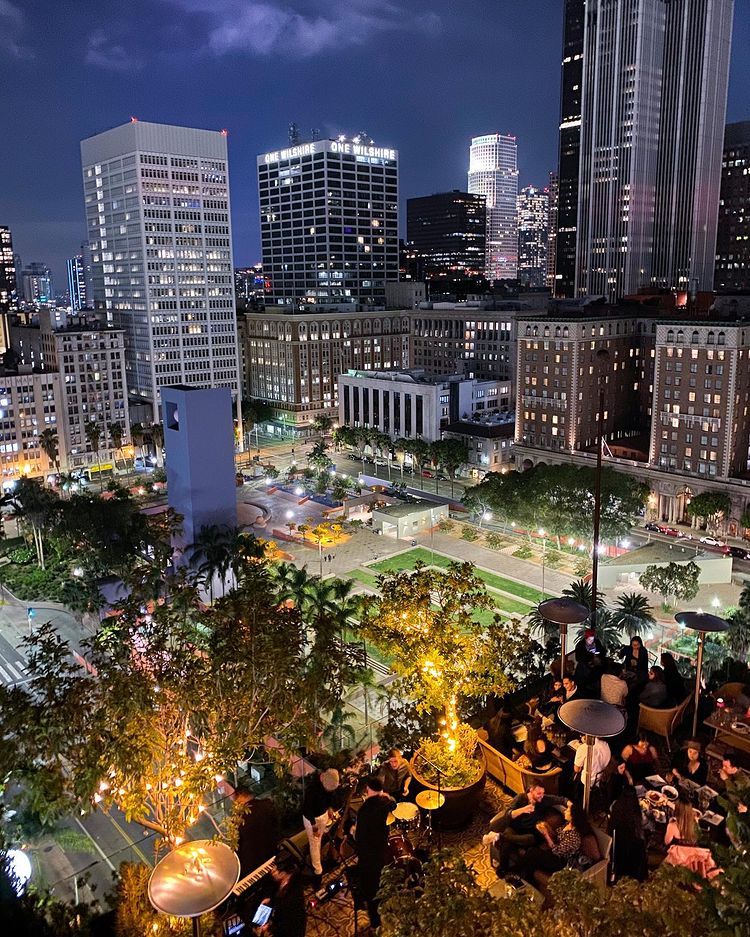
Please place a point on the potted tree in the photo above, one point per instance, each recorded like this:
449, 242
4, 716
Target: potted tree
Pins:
446, 643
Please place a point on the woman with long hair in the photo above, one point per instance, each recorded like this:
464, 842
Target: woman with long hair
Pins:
561, 845
682, 830
626, 827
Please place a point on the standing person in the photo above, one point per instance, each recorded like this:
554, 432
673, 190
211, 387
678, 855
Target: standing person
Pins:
601, 755
626, 827
258, 831
590, 656
317, 812
395, 775
370, 841
676, 690
635, 660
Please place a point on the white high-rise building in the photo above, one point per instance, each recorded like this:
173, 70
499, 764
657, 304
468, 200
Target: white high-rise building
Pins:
493, 173
158, 216
654, 91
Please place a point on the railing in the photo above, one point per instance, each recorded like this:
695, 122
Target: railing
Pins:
691, 419
531, 401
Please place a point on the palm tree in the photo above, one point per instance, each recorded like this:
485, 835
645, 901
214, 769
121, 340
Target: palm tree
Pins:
212, 552
48, 443
608, 630
116, 433
157, 437
93, 436
340, 733
39, 507
580, 590
633, 613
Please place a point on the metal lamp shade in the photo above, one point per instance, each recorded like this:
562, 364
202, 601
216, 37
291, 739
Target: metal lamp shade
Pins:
564, 611
701, 621
592, 717
176, 887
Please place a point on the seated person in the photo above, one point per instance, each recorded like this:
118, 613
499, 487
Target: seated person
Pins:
551, 700
689, 764
561, 844
676, 689
590, 657
601, 755
654, 692
641, 759
729, 769
516, 827
537, 750
681, 837
635, 661
613, 688
395, 775
500, 733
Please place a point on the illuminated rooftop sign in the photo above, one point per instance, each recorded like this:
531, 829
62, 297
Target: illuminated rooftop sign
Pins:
330, 146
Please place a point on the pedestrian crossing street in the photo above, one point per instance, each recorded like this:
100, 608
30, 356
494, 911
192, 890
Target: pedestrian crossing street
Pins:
12, 673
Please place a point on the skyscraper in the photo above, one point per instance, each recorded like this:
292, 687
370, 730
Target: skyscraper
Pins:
448, 232
533, 212
552, 193
37, 286
7, 268
654, 85
329, 223
571, 83
80, 284
157, 209
493, 172
733, 236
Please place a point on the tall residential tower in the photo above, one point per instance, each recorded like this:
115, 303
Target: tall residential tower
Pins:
733, 237
157, 210
493, 173
533, 232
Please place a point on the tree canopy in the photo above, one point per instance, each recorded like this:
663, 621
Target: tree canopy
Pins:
677, 581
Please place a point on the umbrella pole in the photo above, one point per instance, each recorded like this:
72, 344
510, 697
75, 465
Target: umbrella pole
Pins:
587, 769
563, 642
698, 671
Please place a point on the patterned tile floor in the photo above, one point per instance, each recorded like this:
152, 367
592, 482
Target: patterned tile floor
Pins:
336, 919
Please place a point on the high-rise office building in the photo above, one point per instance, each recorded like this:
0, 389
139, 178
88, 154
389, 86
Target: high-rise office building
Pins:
653, 98
37, 286
571, 83
493, 173
329, 223
7, 268
552, 195
448, 232
80, 283
533, 221
157, 209
733, 236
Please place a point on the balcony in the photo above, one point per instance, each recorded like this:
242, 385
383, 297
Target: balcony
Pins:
530, 400
712, 423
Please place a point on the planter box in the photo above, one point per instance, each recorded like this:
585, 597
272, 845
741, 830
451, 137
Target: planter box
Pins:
460, 802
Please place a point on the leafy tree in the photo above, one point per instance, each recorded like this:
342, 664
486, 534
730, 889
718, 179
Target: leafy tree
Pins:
633, 613
211, 554
344, 436
745, 518
318, 457
326, 533
582, 592
426, 624
173, 698
419, 451
156, 431
678, 581
116, 433
322, 424
712, 506
453, 454
39, 508
138, 435
737, 638
48, 442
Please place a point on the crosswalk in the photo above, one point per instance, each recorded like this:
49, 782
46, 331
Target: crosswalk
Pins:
12, 673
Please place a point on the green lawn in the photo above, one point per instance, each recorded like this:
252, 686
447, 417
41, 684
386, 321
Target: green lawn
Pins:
511, 606
361, 576
407, 560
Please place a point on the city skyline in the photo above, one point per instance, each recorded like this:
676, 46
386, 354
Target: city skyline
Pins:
116, 70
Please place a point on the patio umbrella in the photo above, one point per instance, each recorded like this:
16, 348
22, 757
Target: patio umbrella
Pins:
592, 719
563, 612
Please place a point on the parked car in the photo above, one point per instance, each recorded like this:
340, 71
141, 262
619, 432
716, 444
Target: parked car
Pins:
668, 531
426, 474
652, 527
712, 542
739, 553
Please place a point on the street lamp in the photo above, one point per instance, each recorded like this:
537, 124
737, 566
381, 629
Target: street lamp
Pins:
602, 357
486, 516
704, 624
289, 522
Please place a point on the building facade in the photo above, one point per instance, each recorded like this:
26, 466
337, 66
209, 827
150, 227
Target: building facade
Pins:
533, 236
158, 216
30, 402
293, 362
329, 223
448, 231
475, 340
90, 360
413, 405
733, 236
490, 444
36, 283
552, 194
7, 268
653, 98
493, 173
80, 284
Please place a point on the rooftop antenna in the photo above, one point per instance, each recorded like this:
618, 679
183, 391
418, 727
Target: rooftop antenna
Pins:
314, 134
293, 134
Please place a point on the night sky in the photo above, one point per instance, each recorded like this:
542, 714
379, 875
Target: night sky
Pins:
419, 76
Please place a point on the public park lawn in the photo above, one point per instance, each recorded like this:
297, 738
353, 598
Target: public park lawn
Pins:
407, 561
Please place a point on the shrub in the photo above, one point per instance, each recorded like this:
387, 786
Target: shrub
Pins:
583, 566
445, 525
523, 552
495, 541
553, 559
458, 766
22, 555
469, 533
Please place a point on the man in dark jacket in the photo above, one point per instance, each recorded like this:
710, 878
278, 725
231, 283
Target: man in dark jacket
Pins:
258, 829
371, 841
516, 827
590, 657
